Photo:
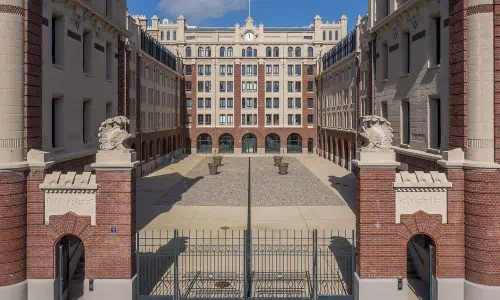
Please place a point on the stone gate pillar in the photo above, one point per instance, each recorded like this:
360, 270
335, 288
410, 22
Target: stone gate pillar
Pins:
377, 271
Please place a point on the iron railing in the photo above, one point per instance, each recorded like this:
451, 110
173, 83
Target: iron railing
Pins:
260, 265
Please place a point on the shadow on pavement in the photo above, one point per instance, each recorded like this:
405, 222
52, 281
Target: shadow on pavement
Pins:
346, 186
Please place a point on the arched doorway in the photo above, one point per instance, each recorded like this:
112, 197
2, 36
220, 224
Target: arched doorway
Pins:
164, 146
226, 143
310, 146
347, 155
151, 150
204, 143
70, 268
169, 145
249, 143
421, 266
273, 143
174, 143
294, 143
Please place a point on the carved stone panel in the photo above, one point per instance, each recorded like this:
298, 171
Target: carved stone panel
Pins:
417, 191
70, 192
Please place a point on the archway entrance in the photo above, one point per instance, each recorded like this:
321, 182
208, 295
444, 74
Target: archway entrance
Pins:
70, 268
421, 267
273, 143
226, 143
310, 146
294, 143
204, 143
249, 143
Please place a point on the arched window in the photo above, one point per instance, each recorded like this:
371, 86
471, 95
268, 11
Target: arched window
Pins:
276, 51
269, 52
222, 51
168, 35
175, 35
208, 52
255, 53
290, 52
298, 52
273, 143
294, 143
200, 51
336, 35
324, 35
249, 52
226, 143
310, 52
330, 35
162, 35
188, 52
243, 53
204, 143
230, 52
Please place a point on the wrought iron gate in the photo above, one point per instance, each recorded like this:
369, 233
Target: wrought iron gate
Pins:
245, 265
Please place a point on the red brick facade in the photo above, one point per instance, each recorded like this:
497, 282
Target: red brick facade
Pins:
496, 44
108, 255
482, 227
382, 243
13, 225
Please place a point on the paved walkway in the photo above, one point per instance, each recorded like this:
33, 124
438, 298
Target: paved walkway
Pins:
315, 195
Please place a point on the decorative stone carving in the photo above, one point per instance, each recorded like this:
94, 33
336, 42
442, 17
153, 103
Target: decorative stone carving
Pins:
419, 191
70, 192
375, 133
113, 134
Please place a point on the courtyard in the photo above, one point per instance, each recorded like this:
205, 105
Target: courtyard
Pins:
316, 194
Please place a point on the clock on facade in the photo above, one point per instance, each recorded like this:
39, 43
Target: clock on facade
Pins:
249, 36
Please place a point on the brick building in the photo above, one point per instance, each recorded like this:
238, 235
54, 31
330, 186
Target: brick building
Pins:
250, 88
428, 67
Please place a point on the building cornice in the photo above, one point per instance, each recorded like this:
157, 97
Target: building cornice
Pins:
410, 8
94, 15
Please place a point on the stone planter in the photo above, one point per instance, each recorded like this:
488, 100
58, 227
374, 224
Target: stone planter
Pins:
277, 160
283, 168
212, 168
218, 160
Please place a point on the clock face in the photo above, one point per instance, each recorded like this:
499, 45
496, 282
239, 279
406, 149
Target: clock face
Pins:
249, 36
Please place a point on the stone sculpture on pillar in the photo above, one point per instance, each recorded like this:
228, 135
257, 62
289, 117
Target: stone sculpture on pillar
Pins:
375, 138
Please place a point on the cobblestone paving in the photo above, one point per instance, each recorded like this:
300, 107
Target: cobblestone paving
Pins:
229, 188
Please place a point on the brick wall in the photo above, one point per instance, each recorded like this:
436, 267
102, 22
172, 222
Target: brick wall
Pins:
457, 54
482, 226
107, 255
382, 244
33, 74
13, 225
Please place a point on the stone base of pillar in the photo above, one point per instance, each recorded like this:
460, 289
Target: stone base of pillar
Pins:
474, 291
18, 291
379, 289
110, 289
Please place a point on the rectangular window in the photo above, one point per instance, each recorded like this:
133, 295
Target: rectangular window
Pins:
437, 40
208, 70
57, 122
222, 70
310, 70
229, 69
200, 70
208, 102
290, 86
310, 103
269, 119
200, 102
269, 86
109, 61
276, 103
222, 119
188, 103
290, 119
276, 119
276, 69
222, 103
405, 122
310, 86
269, 70
109, 110
276, 86
406, 52
385, 61
298, 70
200, 119
87, 52
310, 119
298, 119
189, 70
384, 110
208, 119
269, 102
229, 102
208, 86
222, 86
298, 86
188, 120
290, 70
109, 8
435, 123
229, 119
298, 102
57, 40
230, 87
290, 102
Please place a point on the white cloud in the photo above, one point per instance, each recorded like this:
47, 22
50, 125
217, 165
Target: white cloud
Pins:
197, 10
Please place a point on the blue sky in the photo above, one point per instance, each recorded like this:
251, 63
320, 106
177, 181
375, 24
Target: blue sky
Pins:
268, 12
